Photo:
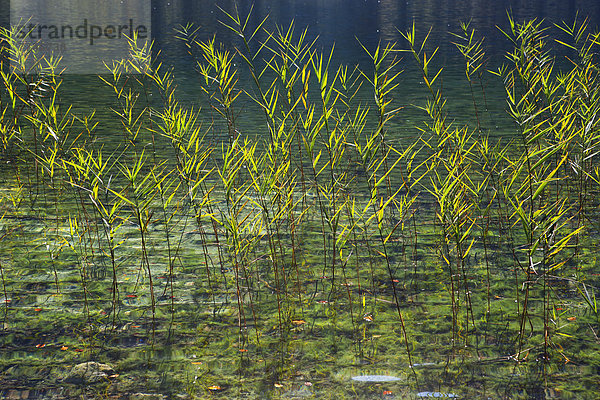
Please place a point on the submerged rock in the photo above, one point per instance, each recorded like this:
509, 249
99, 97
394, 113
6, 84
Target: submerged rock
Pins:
298, 394
89, 372
146, 396
375, 378
425, 364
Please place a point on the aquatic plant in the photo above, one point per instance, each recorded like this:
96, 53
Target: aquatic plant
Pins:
322, 238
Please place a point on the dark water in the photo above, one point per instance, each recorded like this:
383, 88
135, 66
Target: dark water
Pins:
346, 25
343, 22
207, 353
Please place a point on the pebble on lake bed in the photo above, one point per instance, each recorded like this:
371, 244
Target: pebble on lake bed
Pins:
89, 372
437, 395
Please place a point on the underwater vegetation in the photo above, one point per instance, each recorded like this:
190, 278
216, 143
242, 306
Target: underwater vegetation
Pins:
319, 255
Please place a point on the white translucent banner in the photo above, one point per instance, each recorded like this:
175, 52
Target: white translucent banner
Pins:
84, 34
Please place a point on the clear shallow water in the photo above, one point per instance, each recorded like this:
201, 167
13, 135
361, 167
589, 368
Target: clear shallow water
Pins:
199, 354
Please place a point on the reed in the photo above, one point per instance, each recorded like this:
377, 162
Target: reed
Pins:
322, 223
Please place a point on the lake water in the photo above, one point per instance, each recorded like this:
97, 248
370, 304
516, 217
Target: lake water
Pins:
196, 296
